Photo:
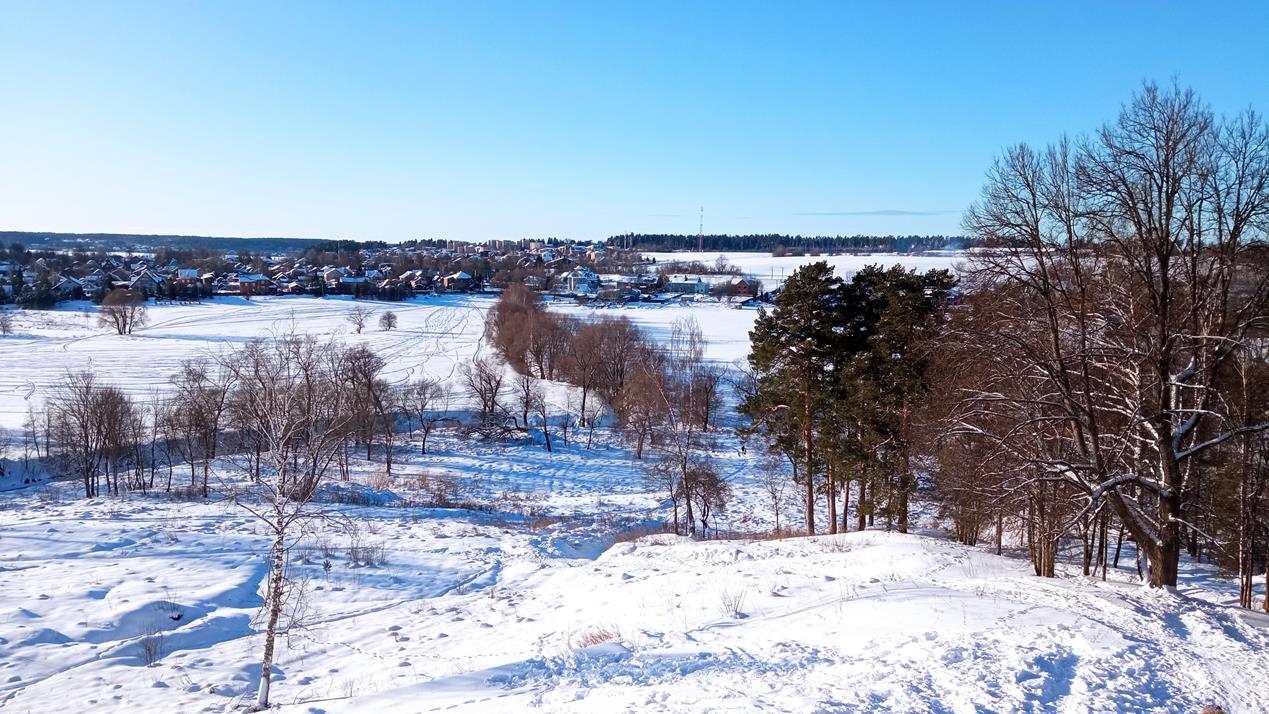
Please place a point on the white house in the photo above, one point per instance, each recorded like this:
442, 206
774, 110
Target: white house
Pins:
689, 284
578, 280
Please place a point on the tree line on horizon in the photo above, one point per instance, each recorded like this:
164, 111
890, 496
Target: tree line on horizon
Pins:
782, 244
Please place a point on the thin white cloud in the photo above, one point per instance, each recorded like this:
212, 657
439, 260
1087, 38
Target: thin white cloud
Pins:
876, 212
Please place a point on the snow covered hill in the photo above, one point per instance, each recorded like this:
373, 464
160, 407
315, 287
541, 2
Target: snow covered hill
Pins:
536, 600
488, 612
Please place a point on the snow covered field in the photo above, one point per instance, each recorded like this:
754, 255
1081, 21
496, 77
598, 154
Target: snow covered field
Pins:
772, 271
434, 337
146, 604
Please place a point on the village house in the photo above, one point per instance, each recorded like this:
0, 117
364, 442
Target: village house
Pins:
255, 284
459, 282
579, 280
686, 284
146, 282
68, 288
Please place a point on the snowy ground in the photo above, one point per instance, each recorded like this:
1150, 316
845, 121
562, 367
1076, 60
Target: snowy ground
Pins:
498, 612
434, 337
772, 271
532, 604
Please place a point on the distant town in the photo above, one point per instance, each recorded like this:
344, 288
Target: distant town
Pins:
607, 271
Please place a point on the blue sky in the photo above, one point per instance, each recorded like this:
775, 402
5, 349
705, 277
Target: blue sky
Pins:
476, 120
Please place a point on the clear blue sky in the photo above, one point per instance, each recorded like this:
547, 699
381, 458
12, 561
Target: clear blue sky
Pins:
475, 120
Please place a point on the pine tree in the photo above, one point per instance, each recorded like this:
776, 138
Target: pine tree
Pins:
887, 342
794, 357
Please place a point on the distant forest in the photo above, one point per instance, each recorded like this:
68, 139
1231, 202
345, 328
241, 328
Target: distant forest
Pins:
780, 244
773, 242
125, 243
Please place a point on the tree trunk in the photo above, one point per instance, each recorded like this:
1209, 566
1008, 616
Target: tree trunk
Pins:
860, 505
387, 450
807, 436
1087, 540
674, 500
830, 497
1119, 544
1246, 562
905, 470
845, 506
1103, 550
276, 590
688, 515
902, 508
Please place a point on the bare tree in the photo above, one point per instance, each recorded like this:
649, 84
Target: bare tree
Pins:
6, 322
1250, 464
708, 491
425, 402
1126, 284
540, 407
483, 380
510, 322
585, 363
196, 410
643, 408
388, 321
288, 394
88, 422
124, 310
526, 336
622, 347
707, 384
372, 397
530, 400
775, 483
682, 446
5, 440
358, 316
526, 390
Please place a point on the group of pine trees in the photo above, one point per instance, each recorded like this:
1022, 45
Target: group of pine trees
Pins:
838, 369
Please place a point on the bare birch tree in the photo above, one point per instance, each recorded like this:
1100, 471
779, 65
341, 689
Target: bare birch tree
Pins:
287, 393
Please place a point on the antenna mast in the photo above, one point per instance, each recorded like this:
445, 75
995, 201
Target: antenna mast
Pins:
700, 233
